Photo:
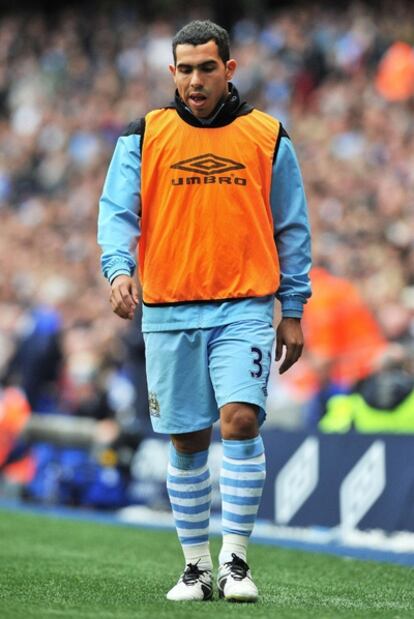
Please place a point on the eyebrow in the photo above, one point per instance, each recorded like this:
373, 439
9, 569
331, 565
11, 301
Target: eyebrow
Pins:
206, 63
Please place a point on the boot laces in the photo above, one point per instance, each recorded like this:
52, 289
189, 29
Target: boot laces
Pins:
238, 567
192, 574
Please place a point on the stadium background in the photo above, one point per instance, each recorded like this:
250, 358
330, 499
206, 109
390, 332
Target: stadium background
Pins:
71, 80
73, 411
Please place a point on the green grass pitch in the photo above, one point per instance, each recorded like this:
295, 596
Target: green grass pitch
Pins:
82, 570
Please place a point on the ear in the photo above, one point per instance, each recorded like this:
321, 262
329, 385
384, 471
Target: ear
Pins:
230, 68
172, 69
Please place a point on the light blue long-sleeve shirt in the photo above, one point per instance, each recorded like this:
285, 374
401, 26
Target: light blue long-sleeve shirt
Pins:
119, 230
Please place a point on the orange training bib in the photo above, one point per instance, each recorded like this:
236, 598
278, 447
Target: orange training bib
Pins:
207, 227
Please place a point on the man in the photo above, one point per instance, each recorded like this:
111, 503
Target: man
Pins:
223, 227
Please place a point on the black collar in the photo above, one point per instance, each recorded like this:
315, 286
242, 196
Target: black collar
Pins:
226, 111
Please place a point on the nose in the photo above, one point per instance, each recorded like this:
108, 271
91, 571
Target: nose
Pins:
196, 81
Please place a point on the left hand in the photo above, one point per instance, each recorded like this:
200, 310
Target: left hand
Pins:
289, 334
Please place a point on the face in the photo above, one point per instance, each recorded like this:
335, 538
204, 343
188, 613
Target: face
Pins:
201, 76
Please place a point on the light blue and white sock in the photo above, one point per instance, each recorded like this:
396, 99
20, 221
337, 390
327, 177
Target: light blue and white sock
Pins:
189, 490
242, 477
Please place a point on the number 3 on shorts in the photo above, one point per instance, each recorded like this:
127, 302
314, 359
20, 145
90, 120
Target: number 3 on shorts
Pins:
257, 362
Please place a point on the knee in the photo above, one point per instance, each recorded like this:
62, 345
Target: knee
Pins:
192, 442
239, 421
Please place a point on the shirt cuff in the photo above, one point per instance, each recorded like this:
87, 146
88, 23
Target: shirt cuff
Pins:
112, 276
292, 307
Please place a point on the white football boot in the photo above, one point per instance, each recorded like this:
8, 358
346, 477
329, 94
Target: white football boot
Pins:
194, 585
235, 582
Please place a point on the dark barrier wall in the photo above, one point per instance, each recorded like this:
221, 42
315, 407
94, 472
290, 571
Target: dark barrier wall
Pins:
353, 480
356, 481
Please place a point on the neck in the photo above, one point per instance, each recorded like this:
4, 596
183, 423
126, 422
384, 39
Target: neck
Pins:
210, 119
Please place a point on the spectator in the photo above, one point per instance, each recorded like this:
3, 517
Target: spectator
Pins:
381, 402
68, 91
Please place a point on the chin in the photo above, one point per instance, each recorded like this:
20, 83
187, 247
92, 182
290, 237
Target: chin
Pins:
199, 113
203, 113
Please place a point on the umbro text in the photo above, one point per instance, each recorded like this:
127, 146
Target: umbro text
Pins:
209, 180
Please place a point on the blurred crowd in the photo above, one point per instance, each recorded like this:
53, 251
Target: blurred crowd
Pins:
69, 84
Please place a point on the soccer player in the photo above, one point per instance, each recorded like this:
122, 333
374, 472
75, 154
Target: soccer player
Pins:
212, 189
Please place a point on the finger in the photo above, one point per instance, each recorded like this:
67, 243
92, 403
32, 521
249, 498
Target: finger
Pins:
292, 355
127, 297
129, 302
134, 292
119, 311
279, 348
118, 302
118, 305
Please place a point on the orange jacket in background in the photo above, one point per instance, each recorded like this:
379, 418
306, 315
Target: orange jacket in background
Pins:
339, 327
14, 414
395, 75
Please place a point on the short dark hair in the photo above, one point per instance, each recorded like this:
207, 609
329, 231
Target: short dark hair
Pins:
199, 32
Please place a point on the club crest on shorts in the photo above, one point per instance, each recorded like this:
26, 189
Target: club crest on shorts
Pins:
154, 405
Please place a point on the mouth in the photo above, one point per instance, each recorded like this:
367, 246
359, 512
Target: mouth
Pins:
197, 99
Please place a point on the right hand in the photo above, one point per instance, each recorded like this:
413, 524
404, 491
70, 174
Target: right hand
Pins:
124, 296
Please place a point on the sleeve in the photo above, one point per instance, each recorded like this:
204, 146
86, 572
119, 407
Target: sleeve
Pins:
291, 230
119, 206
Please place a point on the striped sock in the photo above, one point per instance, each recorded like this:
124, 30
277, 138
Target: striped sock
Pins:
242, 478
189, 490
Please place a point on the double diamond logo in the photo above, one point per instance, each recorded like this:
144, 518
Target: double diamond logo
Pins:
208, 164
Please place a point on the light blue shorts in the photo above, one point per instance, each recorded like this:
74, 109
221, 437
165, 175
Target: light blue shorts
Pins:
192, 374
